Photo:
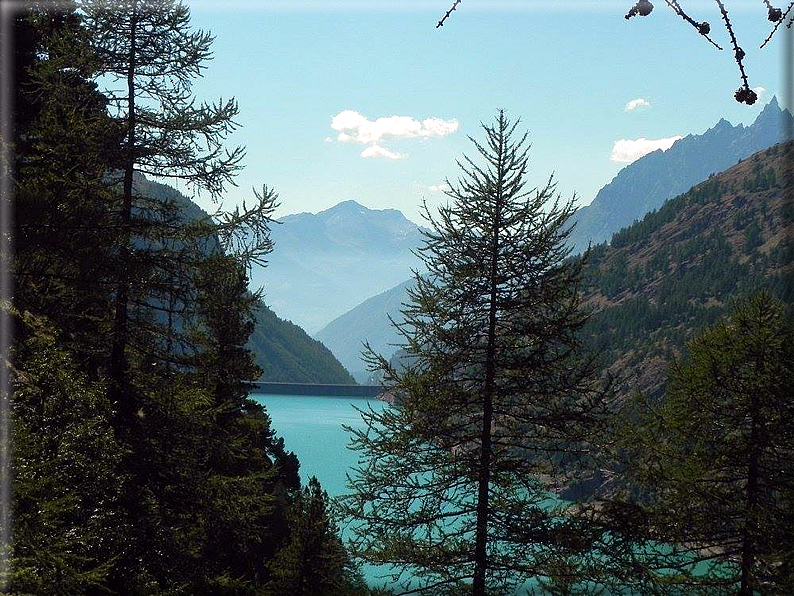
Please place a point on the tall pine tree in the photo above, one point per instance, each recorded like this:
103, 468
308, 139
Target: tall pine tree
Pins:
148, 44
714, 460
456, 479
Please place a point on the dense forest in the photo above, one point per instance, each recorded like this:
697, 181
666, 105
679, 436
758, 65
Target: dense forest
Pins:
141, 465
666, 277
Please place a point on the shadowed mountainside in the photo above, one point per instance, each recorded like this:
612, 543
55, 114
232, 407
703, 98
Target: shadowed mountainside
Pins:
284, 351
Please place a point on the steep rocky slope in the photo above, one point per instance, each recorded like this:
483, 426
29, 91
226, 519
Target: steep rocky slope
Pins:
664, 278
646, 183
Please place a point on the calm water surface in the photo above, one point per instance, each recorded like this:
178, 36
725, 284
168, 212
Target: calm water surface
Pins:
312, 428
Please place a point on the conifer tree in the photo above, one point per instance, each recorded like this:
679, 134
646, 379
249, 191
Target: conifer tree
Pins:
64, 461
187, 490
149, 46
314, 560
81, 243
63, 228
252, 478
493, 398
715, 460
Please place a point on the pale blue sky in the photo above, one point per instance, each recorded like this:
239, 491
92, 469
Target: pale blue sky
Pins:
568, 69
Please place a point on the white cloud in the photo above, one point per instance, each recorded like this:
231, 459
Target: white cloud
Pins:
637, 104
759, 91
378, 151
627, 151
443, 187
355, 128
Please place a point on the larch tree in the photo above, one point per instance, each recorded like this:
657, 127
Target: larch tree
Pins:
187, 491
714, 460
149, 49
493, 401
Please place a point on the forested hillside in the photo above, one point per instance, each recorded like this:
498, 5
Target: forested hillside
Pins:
679, 269
286, 353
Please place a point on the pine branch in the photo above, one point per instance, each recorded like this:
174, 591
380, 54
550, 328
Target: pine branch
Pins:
446, 15
782, 17
743, 94
703, 28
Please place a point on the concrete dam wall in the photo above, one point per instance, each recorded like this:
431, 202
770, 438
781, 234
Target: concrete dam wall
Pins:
318, 389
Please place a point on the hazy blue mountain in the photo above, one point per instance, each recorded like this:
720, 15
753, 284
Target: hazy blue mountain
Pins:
326, 263
648, 182
638, 189
369, 321
284, 351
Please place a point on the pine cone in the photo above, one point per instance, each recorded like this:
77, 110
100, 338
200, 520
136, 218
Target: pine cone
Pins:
644, 8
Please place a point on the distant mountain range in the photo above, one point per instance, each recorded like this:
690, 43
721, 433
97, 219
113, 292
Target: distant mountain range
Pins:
284, 352
648, 182
325, 263
638, 189
369, 321
663, 279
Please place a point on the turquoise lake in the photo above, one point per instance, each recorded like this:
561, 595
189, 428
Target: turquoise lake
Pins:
312, 428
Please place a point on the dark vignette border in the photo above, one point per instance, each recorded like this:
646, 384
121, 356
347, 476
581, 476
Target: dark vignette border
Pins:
8, 10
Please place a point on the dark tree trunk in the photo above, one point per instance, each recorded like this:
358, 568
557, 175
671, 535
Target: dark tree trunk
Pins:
751, 501
118, 361
481, 538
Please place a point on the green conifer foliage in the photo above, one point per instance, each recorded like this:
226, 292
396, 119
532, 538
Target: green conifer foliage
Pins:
494, 398
716, 458
65, 459
148, 44
252, 479
194, 497
62, 226
313, 562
